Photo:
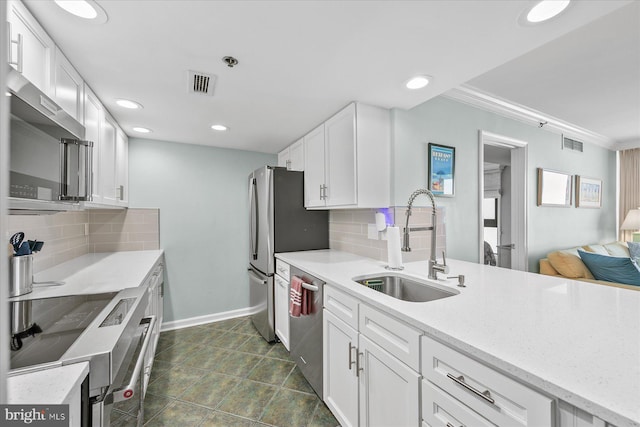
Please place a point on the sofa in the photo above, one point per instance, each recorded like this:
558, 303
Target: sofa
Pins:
569, 264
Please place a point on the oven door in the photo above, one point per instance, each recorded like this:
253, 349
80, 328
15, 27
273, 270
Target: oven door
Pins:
133, 387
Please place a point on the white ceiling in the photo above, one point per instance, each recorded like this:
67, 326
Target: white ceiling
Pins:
589, 77
301, 61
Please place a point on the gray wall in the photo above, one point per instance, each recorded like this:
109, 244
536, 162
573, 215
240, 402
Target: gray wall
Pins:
445, 121
203, 200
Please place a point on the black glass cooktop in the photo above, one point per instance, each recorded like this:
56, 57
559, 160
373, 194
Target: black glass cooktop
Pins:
62, 320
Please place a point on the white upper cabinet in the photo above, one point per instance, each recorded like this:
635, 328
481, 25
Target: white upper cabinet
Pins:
93, 118
296, 155
347, 160
31, 49
68, 87
314, 168
107, 155
122, 168
292, 157
340, 158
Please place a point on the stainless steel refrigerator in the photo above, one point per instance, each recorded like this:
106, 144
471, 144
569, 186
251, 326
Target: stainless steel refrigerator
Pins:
278, 223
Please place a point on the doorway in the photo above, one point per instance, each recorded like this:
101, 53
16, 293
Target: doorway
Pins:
502, 201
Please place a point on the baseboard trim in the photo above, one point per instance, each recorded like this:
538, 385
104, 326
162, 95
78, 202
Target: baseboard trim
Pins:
209, 318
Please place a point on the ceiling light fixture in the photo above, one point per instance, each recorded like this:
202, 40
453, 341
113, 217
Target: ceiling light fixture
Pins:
545, 10
220, 128
125, 103
141, 130
418, 82
86, 9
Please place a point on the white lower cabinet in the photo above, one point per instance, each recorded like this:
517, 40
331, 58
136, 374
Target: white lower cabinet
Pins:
340, 382
389, 389
364, 385
282, 309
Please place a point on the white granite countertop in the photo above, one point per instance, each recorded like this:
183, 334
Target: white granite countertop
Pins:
574, 340
50, 386
94, 273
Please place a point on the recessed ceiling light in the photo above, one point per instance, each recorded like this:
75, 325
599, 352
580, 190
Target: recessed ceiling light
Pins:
546, 10
125, 103
220, 128
86, 9
418, 82
141, 130
8, 93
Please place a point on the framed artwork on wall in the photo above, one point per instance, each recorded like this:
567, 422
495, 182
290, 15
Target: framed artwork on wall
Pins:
554, 188
588, 192
442, 168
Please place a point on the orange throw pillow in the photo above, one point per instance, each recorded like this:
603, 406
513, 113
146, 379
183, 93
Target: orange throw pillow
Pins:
569, 265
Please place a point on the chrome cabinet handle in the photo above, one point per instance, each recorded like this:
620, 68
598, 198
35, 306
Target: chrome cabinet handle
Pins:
127, 392
321, 198
18, 42
486, 395
351, 348
310, 287
358, 367
450, 425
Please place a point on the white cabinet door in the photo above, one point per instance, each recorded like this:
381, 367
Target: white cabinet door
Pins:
389, 390
340, 157
107, 174
122, 168
32, 49
93, 117
68, 87
282, 310
314, 166
340, 382
283, 158
296, 155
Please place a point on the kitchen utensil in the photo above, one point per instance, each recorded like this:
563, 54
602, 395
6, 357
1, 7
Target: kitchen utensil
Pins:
23, 249
20, 275
16, 240
35, 245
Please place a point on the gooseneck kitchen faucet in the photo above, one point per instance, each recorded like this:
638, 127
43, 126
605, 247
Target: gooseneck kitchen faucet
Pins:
434, 267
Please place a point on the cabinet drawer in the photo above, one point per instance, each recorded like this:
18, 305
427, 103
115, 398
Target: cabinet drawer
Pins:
396, 337
282, 269
440, 409
496, 397
343, 306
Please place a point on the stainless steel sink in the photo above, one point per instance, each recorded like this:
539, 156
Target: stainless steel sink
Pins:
405, 288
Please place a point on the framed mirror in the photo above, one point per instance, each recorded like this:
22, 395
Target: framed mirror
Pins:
554, 188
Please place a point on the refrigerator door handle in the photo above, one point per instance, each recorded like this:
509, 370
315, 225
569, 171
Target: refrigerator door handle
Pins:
255, 277
254, 223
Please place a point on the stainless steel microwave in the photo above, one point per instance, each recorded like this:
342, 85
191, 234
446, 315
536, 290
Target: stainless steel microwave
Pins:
49, 160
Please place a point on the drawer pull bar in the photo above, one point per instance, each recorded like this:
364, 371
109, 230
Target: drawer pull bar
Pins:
450, 425
486, 395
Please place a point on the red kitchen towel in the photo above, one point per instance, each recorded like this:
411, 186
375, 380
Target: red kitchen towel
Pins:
295, 297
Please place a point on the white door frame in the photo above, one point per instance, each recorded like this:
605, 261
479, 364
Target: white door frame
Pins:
519, 180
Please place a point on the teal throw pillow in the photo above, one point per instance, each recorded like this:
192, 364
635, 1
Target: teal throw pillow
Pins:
634, 251
612, 269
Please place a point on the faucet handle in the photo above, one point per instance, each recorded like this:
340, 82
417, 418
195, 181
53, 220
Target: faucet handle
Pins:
444, 259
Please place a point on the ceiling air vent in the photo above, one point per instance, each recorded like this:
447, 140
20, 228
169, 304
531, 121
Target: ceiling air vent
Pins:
201, 83
572, 144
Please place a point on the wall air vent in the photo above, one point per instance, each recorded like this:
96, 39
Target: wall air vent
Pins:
201, 83
572, 144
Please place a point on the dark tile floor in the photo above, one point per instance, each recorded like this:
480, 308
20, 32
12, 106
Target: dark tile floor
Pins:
225, 374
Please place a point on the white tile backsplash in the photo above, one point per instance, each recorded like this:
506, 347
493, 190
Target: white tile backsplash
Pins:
108, 231
348, 231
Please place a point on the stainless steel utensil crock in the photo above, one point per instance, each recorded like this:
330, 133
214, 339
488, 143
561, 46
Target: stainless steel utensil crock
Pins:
21, 275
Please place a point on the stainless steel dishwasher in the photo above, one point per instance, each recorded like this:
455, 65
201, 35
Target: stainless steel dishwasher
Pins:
305, 332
